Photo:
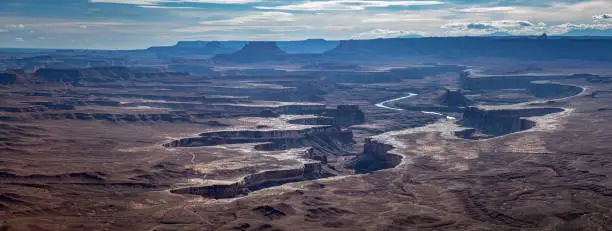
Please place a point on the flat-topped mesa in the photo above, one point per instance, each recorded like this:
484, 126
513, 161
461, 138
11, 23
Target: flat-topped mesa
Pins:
501, 122
255, 52
452, 98
209, 48
261, 48
308, 46
213, 45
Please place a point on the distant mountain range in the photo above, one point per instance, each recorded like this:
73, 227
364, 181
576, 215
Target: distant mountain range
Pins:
208, 49
539, 47
212, 48
530, 48
589, 32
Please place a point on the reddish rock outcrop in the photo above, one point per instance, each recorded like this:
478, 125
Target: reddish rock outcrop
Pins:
254, 182
376, 156
235, 137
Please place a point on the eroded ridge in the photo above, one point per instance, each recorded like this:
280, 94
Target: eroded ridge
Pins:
323, 135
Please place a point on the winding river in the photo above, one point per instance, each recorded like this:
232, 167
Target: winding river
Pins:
382, 105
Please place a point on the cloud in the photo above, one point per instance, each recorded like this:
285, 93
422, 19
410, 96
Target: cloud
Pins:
569, 27
478, 26
556, 12
3, 30
137, 27
166, 7
340, 5
487, 9
160, 3
20, 26
385, 33
516, 27
388, 18
519, 27
258, 17
19, 39
269, 20
603, 17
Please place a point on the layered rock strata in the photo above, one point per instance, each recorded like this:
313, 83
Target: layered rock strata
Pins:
255, 181
376, 156
501, 122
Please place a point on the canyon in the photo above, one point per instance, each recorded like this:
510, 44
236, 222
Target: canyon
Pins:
314, 134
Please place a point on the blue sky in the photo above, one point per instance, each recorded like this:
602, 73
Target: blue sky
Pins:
128, 24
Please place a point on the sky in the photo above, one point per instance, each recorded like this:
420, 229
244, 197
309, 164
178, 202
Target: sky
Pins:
136, 24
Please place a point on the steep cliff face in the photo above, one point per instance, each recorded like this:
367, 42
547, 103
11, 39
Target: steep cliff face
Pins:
453, 99
501, 122
235, 137
538, 86
323, 142
255, 181
552, 90
214, 191
276, 177
328, 140
346, 115
314, 121
375, 157
501, 82
185, 49
301, 109
490, 123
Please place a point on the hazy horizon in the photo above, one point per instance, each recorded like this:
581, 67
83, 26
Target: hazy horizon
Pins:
137, 24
